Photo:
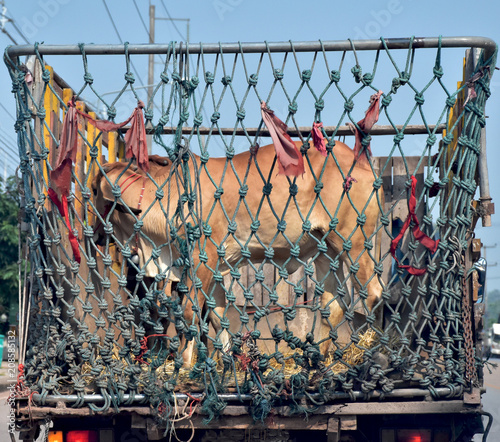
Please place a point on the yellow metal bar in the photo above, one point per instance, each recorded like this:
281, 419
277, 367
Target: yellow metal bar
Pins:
47, 139
112, 146
93, 138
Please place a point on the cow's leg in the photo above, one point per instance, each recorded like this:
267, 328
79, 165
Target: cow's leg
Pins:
365, 278
210, 291
330, 301
216, 315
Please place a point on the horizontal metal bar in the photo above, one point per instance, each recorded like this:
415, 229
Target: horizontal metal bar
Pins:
214, 48
97, 398
305, 131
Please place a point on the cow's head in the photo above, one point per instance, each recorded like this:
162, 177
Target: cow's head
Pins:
126, 197
110, 200
123, 204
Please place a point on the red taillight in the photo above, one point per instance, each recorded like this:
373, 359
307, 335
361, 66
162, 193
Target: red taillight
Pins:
81, 436
414, 435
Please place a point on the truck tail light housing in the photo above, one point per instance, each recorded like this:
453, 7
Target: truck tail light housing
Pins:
55, 436
82, 436
413, 436
408, 435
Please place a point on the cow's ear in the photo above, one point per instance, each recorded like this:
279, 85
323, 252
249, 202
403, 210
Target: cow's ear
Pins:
105, 188
108, 196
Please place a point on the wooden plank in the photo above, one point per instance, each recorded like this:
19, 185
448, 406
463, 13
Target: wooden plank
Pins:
385, 241
268, 270
333, 430
282, 289
399, 189
93, 138
37, 90
238, 417
80, 165
256, 288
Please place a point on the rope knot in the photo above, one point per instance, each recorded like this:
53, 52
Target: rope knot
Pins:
438, 71
306, 75
129, 77
293, 107
252, 80
278, 74
349, 105
335, 76
367, 79
319, 105
46, 76
241, 114
419, 98
386, 101
356, 72
215, 117
164, 77
111, 112
209, 77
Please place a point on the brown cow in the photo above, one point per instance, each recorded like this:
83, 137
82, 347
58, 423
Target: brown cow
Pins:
221, 201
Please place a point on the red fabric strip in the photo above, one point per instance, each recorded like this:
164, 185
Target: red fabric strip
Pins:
63, 210
290, 161
371, 117
420, 236
318, 138
135, 139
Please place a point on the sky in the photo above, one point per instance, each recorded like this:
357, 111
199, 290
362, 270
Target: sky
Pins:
211, 21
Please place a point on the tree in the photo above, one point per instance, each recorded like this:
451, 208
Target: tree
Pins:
492, 307
9, 240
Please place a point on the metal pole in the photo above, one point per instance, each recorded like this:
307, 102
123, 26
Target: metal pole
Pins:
215, 48
97, 398
151, 67
484, 183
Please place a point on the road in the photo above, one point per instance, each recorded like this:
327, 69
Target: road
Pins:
491, 402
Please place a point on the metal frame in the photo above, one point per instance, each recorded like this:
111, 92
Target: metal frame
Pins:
213, 48
487, 44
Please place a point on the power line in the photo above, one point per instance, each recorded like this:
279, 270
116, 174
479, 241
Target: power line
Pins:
12, 21
9, 136
14, 160
172, 21
8, 151
9, 145
140, 16
7, 111
10, 36
120, 38
7, 19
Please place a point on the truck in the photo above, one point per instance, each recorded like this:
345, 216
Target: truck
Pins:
495, 339
278, 242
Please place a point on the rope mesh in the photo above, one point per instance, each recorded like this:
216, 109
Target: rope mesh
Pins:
125, 319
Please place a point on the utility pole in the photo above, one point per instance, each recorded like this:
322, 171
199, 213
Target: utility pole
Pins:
151, 67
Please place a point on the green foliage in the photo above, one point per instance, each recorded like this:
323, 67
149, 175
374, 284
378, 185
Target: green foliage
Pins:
492, 308
9, 239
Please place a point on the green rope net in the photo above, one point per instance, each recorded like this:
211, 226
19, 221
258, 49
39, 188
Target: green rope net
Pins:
201, 254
